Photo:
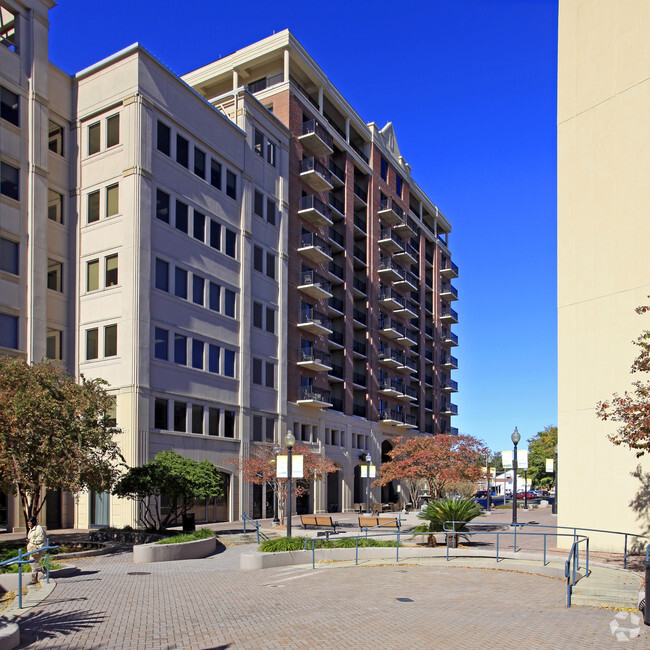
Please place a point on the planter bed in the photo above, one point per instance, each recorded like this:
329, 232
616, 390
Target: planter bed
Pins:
144, 553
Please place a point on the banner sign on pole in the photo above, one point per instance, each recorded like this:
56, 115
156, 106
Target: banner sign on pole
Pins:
364, 471
282, 465
506, 458
549, 465
522, 458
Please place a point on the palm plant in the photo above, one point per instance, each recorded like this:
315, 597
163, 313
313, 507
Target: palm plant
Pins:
460, 510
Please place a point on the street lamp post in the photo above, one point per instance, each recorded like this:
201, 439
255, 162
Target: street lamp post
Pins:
276, 519
554, 508
526, 489
368, 461
487, 475
289, 441
515, 437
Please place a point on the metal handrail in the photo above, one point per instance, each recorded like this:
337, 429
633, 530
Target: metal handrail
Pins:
571, 575
246, 518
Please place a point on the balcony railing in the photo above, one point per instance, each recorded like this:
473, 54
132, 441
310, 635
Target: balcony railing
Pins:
390, 212
316, 356
315, 394
359, 285
450, 384
337, 171
312, 127
360, 192
447, 313
337, 404
315, 174
449, 270
313, 209
311, 315
360, 316
336, 337
359, 410
390, 354
336, 269
360, 153
316, 279
337, 237
360, 224
446, 289
387, 264
267, 82
388, 415
336, 370
391, 324
360, 347
449, 408
360, 378
390, 240
336, 303
313, 240
389, 294
337, 204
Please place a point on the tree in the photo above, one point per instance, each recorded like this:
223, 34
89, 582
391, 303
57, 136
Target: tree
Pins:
54, 433
460, 510
632, 408
540, 447
436, 459
260, 469
178, 479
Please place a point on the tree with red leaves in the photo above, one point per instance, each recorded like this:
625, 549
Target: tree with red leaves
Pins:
438, 460
260, 469
632, 408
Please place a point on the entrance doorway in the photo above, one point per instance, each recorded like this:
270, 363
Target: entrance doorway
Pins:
334, 492
302, 502
53, 509
99, 509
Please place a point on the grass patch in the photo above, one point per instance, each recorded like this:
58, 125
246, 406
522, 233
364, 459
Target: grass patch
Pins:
202, 533
298, 543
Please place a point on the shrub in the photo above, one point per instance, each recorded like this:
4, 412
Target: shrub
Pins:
202, 533
460, 510
298, 543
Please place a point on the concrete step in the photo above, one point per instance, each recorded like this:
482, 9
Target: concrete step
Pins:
604, 600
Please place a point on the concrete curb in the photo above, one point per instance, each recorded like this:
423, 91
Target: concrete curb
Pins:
145, 553
9, 581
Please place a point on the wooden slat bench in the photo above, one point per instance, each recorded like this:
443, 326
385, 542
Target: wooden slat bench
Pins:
371, 522
319, 520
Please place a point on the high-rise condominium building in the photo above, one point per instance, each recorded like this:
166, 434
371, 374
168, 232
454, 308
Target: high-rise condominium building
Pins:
236, 252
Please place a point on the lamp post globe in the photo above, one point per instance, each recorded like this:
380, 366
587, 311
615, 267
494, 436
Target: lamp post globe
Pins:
515, 437
289, 442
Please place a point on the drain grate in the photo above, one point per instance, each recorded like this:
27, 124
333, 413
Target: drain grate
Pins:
138, 573
405, 600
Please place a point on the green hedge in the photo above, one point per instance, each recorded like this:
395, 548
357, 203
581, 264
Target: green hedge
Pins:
298, 543
202, 533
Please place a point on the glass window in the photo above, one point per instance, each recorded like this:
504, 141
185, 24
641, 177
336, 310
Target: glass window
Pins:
258, 259
213, 358
162, 206
258, 204
229, 307
257, 371
9, 176
270, 320
53, 344
199, 162
270, 152
180, 416
257, 428
229, 363
198, 230
270, 211
9, 260
213, 422
55, 275
198, 289
112, 200
215, 235
162, 275
55, 138
160, 417
111, 271
182, 151
54, 206
180, 349
197, 354
181, 216
257, 314
197, 418
180, 283
9, 331
229, 424
231, 242
92, 276
215, 296
93, 206
112, 131
215, 173
259, 143
9, 106
92, 344
398, 185
164, 139
270, 375
384, 169
161, 344
270, 265
231, 184
110, 340
94, 138
270, 429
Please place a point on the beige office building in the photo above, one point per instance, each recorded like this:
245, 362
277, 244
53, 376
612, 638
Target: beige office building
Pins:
603, 262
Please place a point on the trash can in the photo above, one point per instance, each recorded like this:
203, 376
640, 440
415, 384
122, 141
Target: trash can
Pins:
189, 525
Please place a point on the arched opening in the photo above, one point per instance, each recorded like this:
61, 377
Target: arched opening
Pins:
334, 492
389, 492
303, 501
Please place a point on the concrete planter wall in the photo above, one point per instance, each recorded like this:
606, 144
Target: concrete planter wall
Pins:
9, 581
167, 552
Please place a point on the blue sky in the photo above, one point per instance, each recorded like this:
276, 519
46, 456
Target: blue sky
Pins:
470, 86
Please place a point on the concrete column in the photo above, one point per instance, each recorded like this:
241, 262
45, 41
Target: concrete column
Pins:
320, 100
347, 129
286, 65
235, 79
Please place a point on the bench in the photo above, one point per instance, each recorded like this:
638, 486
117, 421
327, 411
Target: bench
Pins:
371, 522
319, 520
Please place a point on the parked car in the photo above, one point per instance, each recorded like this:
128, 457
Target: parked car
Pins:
528, 495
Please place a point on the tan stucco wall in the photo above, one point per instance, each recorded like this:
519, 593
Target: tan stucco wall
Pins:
603, 238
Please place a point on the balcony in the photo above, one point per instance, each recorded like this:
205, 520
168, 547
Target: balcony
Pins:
336, 373
314, 248
391, 387
448, 315
359, 348
335, 306
407, 228
314, 360
391, 416
448, 362
314, 285
409, 422
313, 210
360, 257
450, 339
449, 409
448, 292
409, 394
360, 196
428, 355
390, 270
428, 331
450, 386
408, 365
360, 318
409, 338
390, 299
335, 273
390, 212
359, 287
337, 240
359, 410
335, 340
408, 282
315, 174
390, 357
360, 379
408, 255
310, 396
337, 404
391, 328
316, 138
450, 270
390, 241
360, 227
337, 206
408, 310
338, 174
313, 321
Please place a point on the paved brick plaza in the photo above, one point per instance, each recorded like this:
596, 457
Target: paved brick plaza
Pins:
211, 604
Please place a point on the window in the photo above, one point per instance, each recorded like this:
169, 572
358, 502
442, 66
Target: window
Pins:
258, 259
197, 354
180, 349
93, 206
270, 265
258, 204
257, 315
9, 260
215, 235
181, 216
112, 200
161, 344
55, 138
110, 340
257, 371
162, 206
9, 106
53, 344
197, 418
229, 363
9, 181
270, 211
92, 276
398, 185
182, 151
198, 289
9, 331
213, 358
270, 429
112, 131
229, 308
164, 139
384, 169
180, 416
231, 184
270, 375
215, 173
54, 206
162, 275
215, 297
231, 241
198, 230
160, 414
92, 344
110, 414
111, 271
199, 162
270, 320
270, 152
94, 138
259, 143
55, 275
257, 428
180, 283
229, 424
213, 422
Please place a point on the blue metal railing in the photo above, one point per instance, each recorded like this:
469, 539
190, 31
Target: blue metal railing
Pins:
20, 560
246, 518
569, 574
